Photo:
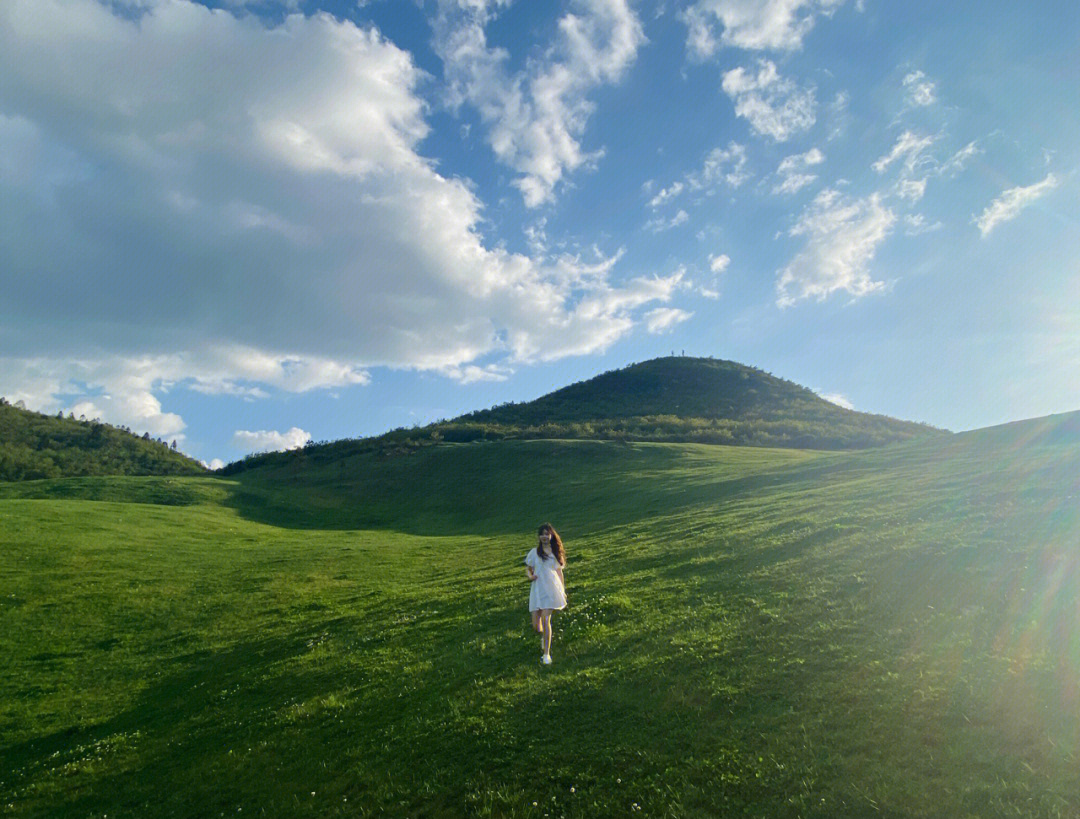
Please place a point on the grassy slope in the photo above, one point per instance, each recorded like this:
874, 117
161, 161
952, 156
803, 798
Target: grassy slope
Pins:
38, 446
889, 632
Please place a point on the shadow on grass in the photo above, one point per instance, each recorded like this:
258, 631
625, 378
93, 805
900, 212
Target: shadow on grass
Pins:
488, 490
164, 750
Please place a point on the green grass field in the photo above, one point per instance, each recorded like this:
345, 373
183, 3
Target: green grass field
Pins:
764, 632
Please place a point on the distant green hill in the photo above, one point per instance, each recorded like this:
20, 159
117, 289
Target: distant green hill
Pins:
674, 400
33, 445
701, 400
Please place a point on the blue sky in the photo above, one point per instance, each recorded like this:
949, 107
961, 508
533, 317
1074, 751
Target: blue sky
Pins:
242, 225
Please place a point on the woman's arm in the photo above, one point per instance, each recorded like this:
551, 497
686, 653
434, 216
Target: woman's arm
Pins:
529, 570
561, 578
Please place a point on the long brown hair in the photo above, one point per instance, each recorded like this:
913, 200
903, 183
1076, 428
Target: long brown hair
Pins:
555, 544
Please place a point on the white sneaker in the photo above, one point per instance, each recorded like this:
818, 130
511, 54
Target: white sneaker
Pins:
546, 659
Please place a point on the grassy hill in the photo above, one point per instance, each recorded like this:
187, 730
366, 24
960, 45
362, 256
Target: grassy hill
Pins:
674, 399
692, 399
33, 445
768, 632
676, 385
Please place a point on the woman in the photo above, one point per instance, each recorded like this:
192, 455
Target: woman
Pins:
545, 567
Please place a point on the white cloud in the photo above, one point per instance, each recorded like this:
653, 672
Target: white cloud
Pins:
269, 440
473, 373
664, 319
22, 380
773, 106
138, 409
218, 203
911, 152
796, 161
118, 394
792, 171
123, 390
957, 161
225, 369
600, 318
909, 147
916, 224
722, 166
836, 115
911, 189
920, 91
291, 5
666, 195
778, 25
838, 399
659, 224
536, 116
213, 463
843, 234
719, 263
794, 183
1009, 204
573, 271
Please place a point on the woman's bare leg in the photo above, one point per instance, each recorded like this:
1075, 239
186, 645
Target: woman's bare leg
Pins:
545, 621
537, 624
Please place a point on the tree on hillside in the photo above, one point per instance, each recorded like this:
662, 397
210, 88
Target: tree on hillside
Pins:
35, 445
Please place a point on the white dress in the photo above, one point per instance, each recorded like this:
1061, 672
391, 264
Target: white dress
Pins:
547, 590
